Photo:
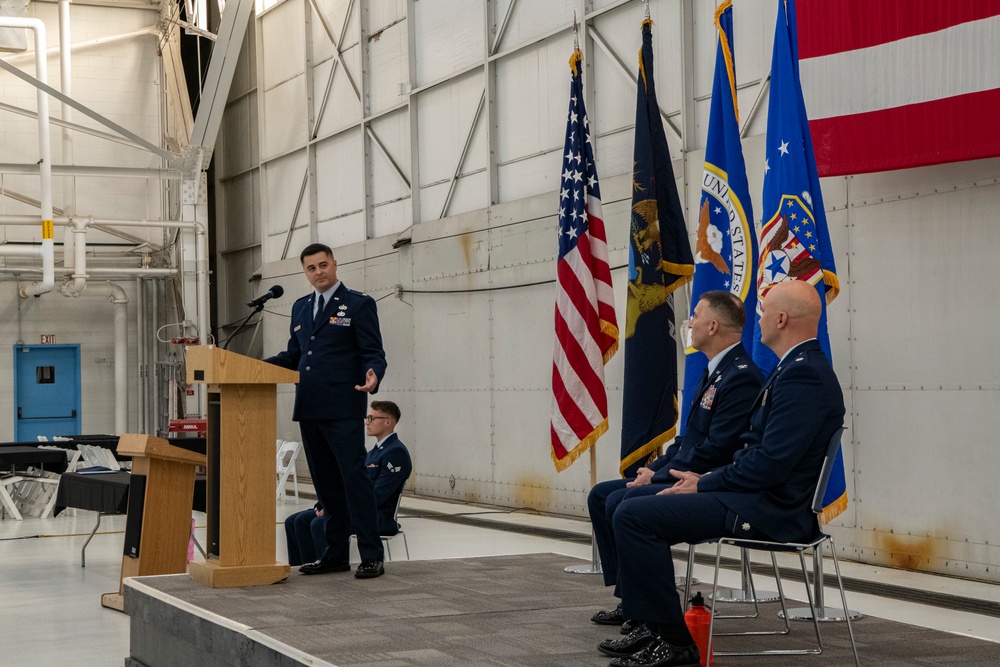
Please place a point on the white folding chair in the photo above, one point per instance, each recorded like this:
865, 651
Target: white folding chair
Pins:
7, 502
387, 538
288, 451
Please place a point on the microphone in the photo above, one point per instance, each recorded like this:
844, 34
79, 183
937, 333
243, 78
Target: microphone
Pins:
273, 293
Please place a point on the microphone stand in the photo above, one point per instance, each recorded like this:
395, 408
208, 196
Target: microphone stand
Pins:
243, 324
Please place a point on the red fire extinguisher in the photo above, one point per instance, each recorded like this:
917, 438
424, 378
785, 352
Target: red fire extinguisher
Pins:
698, 620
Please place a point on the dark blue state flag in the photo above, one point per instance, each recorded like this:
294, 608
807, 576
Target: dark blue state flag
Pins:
659, 262
726, 249
794, 239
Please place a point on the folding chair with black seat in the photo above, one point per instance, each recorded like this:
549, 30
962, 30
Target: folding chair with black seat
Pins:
386, 538
815, 546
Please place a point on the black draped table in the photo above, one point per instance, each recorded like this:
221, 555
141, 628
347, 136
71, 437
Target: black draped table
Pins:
22, 455
105, 493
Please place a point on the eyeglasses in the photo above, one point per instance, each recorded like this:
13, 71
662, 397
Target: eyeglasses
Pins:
370, 418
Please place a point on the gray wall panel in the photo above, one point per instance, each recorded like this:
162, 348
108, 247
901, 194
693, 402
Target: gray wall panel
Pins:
452, 38
449, 328
917, 284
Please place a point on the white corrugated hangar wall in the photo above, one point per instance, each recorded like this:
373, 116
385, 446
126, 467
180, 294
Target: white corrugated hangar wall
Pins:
422, 140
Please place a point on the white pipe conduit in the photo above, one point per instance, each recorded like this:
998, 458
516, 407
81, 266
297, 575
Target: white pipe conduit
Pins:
66, 84
47, 249
80, 252
116, 295
26, 220
96, 272
140, 348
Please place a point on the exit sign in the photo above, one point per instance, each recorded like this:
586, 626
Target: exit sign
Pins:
48, 339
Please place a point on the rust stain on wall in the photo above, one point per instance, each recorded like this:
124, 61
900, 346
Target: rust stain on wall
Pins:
466, 240
909, 552
532, 492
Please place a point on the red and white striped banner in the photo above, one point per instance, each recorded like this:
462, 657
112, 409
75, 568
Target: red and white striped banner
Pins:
895, 84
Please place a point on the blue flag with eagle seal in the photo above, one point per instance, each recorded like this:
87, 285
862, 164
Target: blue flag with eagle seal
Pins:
726, 247
659, 262
794, 239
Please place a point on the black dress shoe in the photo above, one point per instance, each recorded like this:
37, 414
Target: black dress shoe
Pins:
629, 626
612, 617
660, 654
324, 565
369, 569
631, 643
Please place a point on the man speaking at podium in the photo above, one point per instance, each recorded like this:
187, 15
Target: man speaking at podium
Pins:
336, 346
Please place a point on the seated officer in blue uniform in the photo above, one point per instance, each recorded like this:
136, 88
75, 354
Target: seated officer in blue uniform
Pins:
305, 535
719, 410
336, 346
766, 492
388, 465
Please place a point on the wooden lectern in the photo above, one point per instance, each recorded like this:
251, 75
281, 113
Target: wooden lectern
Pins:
242, 423
158, 526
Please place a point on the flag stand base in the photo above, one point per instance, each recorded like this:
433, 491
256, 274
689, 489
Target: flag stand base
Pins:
594, 567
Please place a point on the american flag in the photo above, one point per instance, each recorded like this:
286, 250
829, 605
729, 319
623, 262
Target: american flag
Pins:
586, 327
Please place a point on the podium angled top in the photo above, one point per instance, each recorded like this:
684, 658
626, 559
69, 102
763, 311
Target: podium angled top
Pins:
213, 365
133, 444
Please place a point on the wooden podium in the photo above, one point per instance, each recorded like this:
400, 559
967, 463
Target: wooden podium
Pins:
158, 526
242, 423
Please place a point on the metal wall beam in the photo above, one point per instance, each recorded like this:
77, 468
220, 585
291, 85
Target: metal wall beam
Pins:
465, 152
312, 122
366, 157
219, 77
87, 170
83, 129
388, 155
338, 57
411, 54
87, 111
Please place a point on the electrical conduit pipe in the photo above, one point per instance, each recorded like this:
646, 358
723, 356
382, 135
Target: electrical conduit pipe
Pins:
47, 249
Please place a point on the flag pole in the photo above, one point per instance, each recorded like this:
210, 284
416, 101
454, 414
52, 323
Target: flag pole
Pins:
595, 558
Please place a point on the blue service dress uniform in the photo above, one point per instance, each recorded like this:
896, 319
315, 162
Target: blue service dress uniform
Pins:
720, 407
766, 492
332, 353
388, 466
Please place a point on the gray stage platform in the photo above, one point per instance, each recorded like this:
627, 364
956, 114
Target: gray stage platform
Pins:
494, 611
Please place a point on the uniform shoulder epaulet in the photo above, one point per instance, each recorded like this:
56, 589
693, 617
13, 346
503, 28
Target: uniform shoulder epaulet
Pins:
303, 298
356, 292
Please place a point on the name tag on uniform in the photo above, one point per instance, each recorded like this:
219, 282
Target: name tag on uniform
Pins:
296, 328
340, 321
708, 397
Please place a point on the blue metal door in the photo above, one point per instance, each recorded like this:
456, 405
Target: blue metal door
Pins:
46, 390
